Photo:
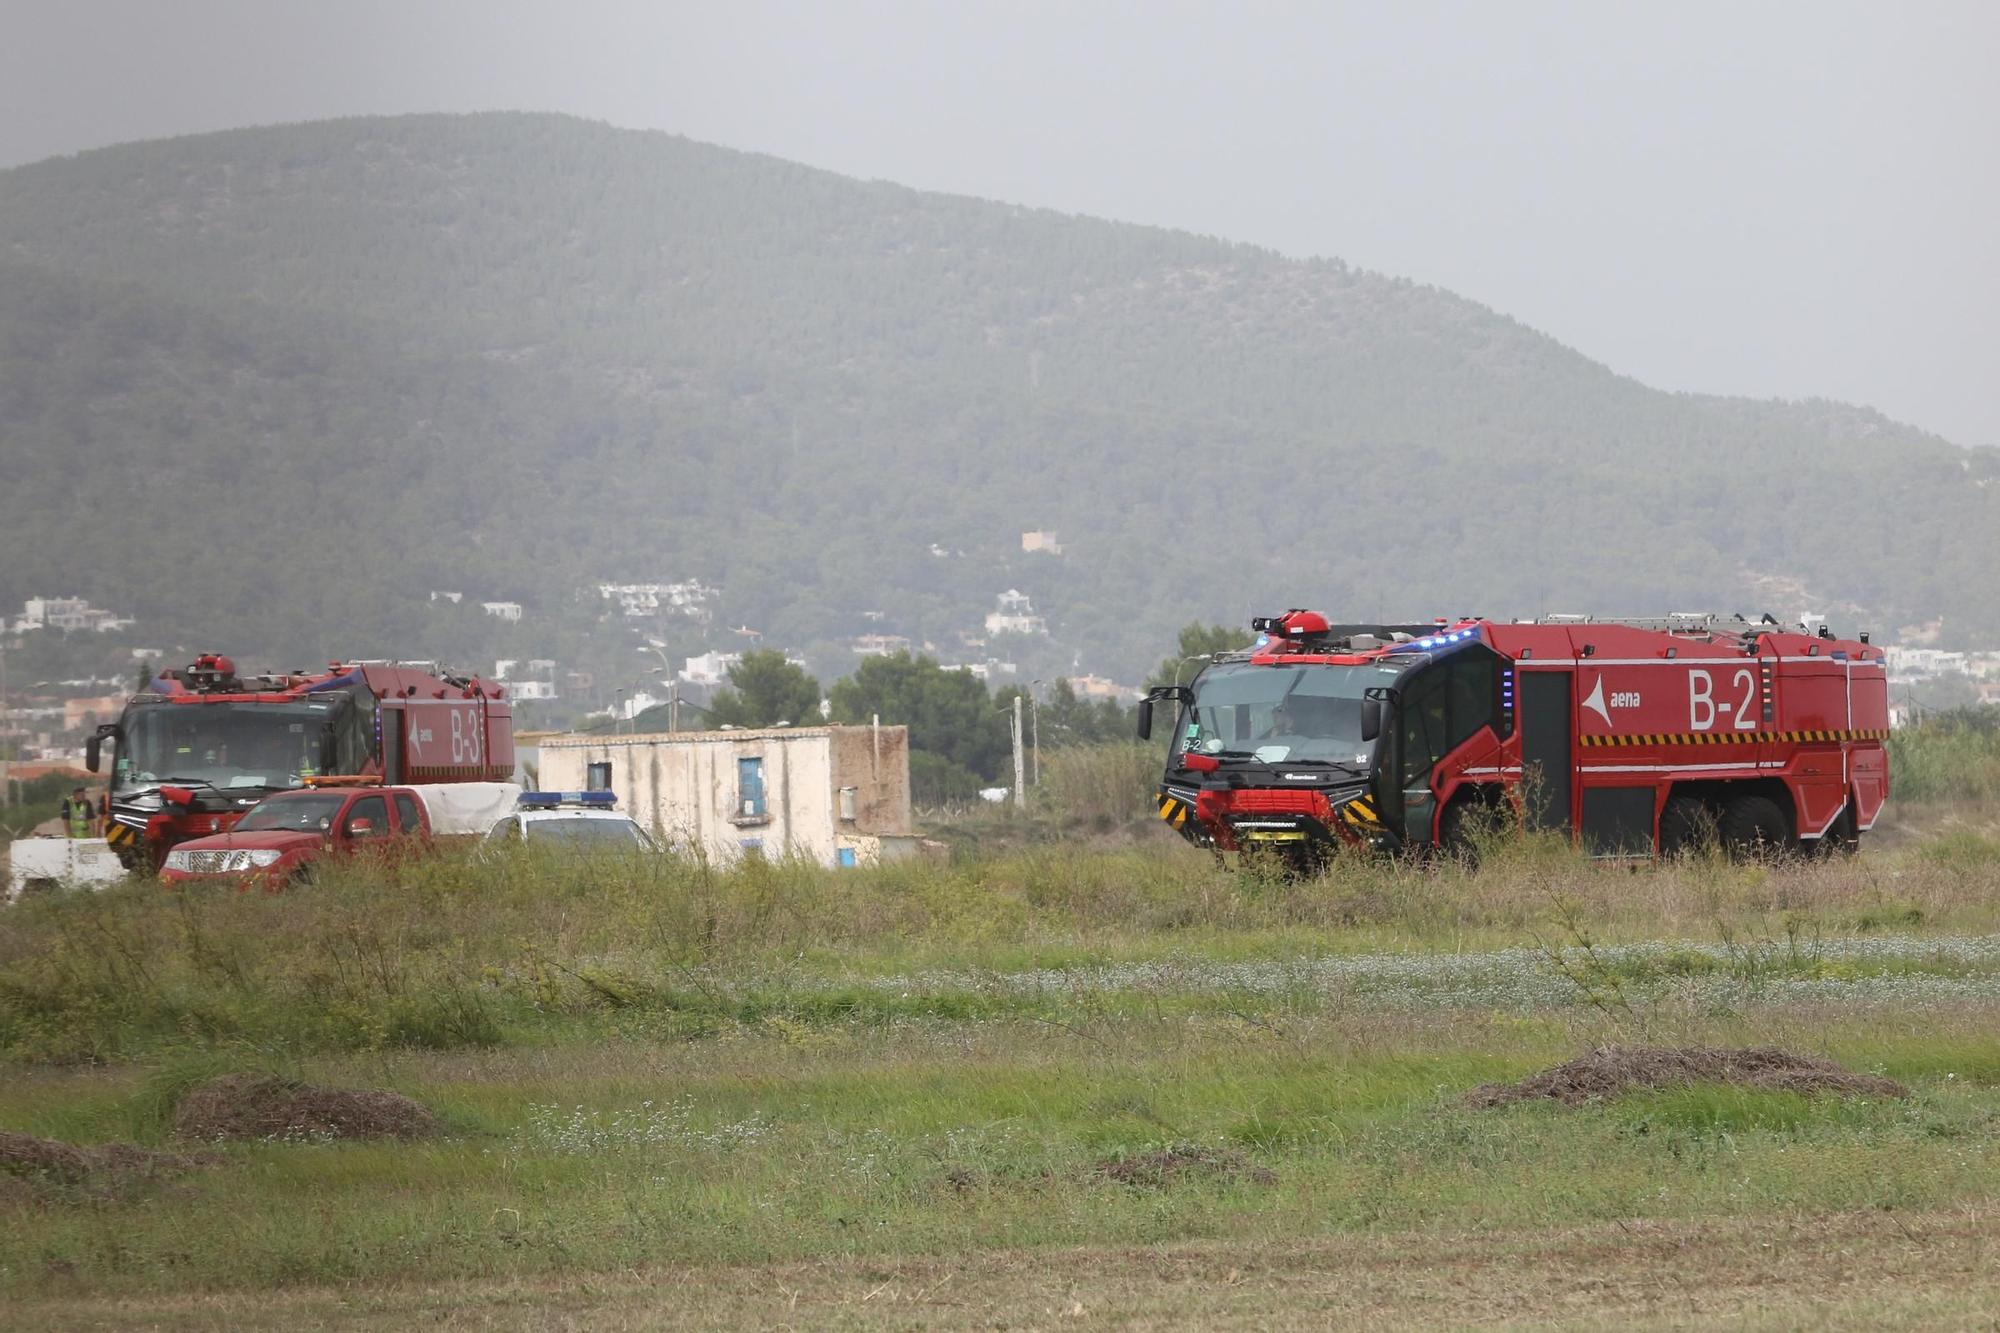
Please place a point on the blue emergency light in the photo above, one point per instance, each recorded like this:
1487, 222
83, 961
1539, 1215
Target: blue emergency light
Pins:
543, 800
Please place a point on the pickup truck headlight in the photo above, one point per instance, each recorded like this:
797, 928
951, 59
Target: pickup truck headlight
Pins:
262, 857
178, 860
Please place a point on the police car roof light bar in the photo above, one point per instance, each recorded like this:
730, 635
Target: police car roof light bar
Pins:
552, 798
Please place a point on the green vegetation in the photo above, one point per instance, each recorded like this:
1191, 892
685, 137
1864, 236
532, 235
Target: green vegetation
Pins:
33, 803
653, 1062
523, 353
1953, 756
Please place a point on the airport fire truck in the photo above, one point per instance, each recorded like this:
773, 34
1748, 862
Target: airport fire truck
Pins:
202, 745
1638, 737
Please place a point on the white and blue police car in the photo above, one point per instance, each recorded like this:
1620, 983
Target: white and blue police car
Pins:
584, 820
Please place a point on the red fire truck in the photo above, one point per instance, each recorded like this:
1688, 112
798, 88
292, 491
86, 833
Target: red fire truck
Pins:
202, 745
1637, 736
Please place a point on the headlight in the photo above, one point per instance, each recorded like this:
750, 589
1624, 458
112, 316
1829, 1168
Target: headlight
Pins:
179, 861
262, 857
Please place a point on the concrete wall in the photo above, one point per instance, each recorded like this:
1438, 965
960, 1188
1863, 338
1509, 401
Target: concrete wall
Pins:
683, 786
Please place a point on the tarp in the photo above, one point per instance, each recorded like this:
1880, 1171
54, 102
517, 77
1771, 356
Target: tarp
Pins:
60, 861
467, 809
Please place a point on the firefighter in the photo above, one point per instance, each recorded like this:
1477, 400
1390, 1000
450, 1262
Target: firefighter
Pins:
79, 817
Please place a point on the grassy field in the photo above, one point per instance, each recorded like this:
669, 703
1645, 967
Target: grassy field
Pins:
1039, 1087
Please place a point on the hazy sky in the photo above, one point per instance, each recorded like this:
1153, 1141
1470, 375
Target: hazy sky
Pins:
1777, 199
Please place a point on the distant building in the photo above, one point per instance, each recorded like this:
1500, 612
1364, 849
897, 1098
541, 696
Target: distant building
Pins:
535, 680
79, 714
646, 601
68, 614
831, 795
711, 668
441, 595
1014, 614
1097, 687
509, 611
1044, 543
880, 645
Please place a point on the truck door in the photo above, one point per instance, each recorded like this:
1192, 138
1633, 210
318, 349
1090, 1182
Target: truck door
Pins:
1547, 714
366, 821
1421, 741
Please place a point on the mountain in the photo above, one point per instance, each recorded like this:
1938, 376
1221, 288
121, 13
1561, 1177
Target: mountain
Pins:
273, 386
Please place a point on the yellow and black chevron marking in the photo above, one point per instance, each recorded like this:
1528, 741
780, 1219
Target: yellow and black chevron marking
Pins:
1732, 737
1175, 812
121, 835
1359, 814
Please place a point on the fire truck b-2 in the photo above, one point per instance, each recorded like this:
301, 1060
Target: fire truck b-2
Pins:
202, 745
1638, 737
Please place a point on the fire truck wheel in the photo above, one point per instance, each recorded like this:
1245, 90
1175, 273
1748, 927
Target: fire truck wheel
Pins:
1753, 828
1460, 828
1841, 838
1687, 827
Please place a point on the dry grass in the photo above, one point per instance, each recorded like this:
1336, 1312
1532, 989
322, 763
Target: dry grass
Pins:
1845, 1270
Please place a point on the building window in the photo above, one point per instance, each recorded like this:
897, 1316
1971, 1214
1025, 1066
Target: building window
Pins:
750, 789
844, 858
598, 777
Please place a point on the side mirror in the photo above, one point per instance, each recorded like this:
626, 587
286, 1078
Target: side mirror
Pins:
1371, 719
1145, 729
93, 749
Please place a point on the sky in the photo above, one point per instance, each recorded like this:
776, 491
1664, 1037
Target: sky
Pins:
1764, 197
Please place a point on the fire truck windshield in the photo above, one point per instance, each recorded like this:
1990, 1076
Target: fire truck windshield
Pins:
1282, 714
225, 745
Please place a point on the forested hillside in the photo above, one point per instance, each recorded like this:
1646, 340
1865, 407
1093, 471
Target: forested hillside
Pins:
272, 386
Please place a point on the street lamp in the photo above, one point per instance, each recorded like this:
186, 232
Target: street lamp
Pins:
672, 682
1192, 657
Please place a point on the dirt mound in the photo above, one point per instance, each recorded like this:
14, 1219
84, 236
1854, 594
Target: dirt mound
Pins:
257, 1106
27, 1161
1610, 1071
1185, 1161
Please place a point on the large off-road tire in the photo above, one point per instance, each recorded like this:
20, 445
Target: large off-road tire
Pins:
1753, 828
1687, 827
1465, 823
1841, 838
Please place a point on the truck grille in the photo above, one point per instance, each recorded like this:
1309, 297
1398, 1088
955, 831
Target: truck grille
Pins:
217, 863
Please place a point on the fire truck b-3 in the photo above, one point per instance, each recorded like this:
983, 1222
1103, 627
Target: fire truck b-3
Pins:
1637, 736
202, 745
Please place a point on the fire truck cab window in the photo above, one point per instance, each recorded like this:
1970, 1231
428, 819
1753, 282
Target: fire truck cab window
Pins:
1473, 683
1444, 706
1294, 713
1424, 717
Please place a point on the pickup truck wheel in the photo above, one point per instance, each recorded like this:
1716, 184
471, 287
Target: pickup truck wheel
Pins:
1687, 827
1753, 828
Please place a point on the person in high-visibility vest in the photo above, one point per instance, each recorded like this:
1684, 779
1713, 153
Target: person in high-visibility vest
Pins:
78, 815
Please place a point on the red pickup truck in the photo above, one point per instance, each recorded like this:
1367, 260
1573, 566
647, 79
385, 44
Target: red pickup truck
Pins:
283, 833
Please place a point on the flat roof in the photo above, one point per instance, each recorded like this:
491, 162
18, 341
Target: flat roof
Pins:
581, 740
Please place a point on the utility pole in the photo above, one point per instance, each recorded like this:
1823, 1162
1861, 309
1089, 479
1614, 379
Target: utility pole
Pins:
1035, 734
1020, 777
6, 740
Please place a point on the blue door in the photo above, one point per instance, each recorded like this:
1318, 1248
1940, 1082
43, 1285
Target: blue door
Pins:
750, 788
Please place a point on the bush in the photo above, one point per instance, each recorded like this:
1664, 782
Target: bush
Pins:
1951, 757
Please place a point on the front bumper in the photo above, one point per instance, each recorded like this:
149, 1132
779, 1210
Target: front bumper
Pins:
1229, 818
